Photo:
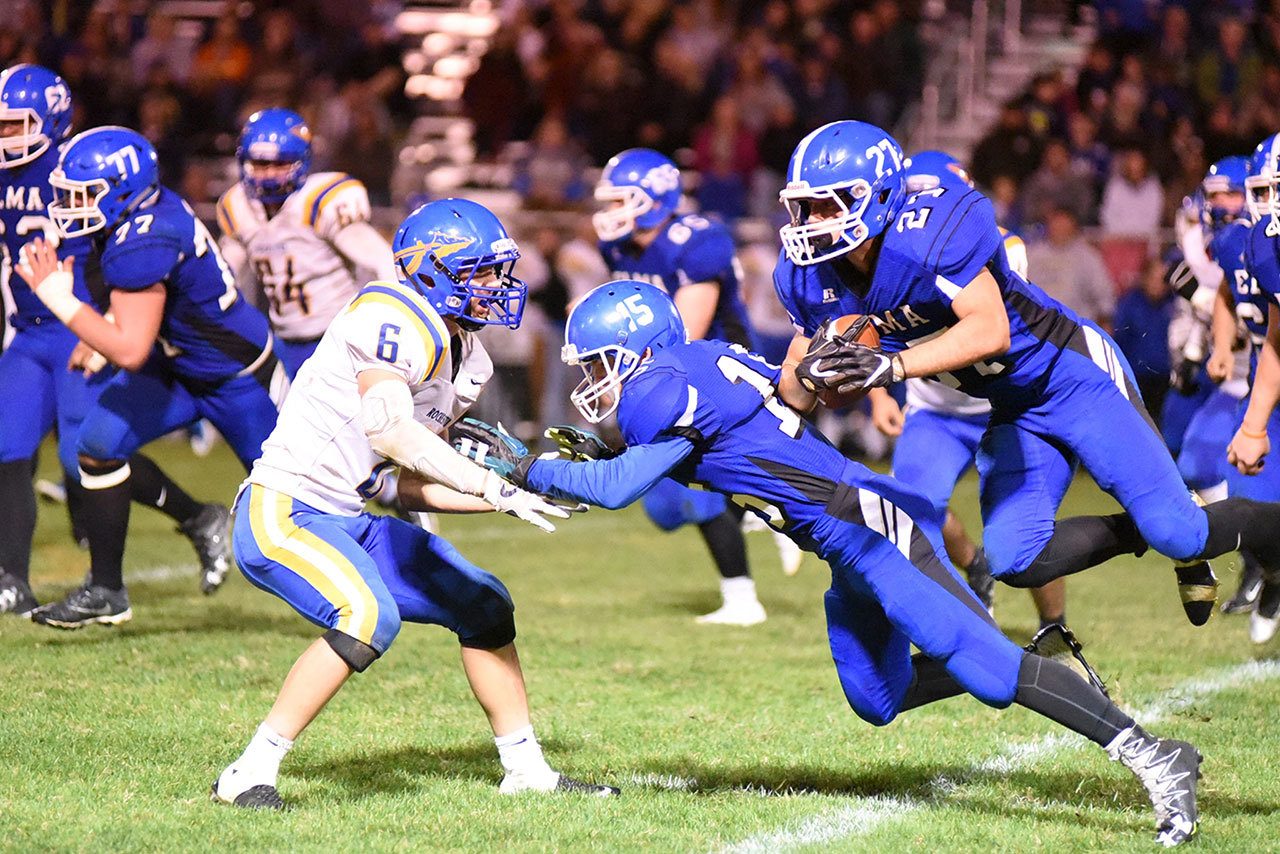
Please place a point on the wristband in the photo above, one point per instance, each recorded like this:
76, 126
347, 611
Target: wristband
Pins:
899, 372
1249, 434
55, 292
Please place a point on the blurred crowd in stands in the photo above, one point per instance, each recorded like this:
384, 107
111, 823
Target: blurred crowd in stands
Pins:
1089, 164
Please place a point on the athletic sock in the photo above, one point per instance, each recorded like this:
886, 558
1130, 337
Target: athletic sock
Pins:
1079, 543
75, 510
1213, 494
723, 536
930, 682
1241, 523
18, 512
259, 765
1054, 690
152, 487
740, 590
106, 521
520, 753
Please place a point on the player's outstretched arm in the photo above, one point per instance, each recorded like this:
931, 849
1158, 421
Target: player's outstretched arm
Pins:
794, 394
981, 333
126, 339
613, 483
1222, 359
697, 306
386, 416
416, 493
1250, 445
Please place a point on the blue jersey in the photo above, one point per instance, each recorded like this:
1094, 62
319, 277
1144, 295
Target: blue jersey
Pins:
688, 250
24, 195
939, 242
713, 405
1262, 258
1227, 248
208, 331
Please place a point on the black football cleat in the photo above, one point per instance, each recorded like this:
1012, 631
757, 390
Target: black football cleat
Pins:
210, 534
261, 797
981, 581
1198, 589
1059, 643
1169, 771
15, 596
85, 606
1246, 595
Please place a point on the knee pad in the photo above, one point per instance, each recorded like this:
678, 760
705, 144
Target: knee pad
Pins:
356, 653
496, 636
1174, 535
103, 474
989, 674
662, 511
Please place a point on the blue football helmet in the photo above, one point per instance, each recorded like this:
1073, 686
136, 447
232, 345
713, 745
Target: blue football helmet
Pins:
853, 165
641, 188
1261, 193
440, 250
609, 334
35, 96
1224, 178
274, 135
925, 170
103, 176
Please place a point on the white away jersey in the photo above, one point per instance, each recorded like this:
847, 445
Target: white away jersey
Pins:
318, 452
292, 256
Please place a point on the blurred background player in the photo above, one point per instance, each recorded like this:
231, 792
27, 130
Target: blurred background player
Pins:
1213, 397
1246, 250
190, 347
299, 243
35, 118
939, 435
393, 371
644, 237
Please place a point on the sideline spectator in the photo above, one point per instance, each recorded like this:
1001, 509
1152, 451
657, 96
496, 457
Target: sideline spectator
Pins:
1071, 271
1132, 203
1142, 331
1058, 183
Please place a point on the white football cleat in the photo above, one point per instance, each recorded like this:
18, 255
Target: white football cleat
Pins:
1262, 629
740, 613
790, 554
518, 782
1265, 619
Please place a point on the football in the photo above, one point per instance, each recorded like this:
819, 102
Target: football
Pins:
868, 336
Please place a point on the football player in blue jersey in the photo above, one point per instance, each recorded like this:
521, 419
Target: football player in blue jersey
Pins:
929, 269
35, 119
188, 345
939, 436
643, 237
708, 413
1252, 284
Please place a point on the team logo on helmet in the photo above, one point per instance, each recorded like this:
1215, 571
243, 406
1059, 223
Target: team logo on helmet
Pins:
661, 179
302, 132
441, 245
57, 97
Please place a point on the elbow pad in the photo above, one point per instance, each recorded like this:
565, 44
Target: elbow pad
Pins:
386, 416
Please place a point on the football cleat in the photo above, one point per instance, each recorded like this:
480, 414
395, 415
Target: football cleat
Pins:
1198, 589
1265, 619
739, 613
1059, 643
516, 782
1168, 770
1246, 596
15, 596
981, 581
262, 797
210, 534
85, 606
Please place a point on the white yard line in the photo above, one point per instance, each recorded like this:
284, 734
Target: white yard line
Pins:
860, 816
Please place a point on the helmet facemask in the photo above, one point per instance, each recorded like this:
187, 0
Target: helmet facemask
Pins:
74, 208
1261, 195
812, 242
503, 295
24, 147
276, 188
604, 371
625, 204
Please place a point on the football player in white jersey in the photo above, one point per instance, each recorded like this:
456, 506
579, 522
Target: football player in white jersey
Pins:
939, 435
398, 365
297, 241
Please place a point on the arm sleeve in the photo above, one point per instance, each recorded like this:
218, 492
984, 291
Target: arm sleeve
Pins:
708, 257
362, 246
612, 483
140, 261
655, 403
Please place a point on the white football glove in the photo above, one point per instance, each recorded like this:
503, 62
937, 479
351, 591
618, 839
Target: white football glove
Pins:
514, 501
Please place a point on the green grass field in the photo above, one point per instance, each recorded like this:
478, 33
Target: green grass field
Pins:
724, 739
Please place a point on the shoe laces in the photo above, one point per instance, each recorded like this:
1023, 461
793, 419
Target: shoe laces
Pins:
1142, 756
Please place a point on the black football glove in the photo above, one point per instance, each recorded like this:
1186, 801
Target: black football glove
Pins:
579, 445
494, 448
1181, 280
839, 363
1185, 377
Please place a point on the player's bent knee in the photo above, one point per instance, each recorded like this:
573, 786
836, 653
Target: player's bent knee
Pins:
1173, 535
496, 636
356, 653
102, 474
664, 513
